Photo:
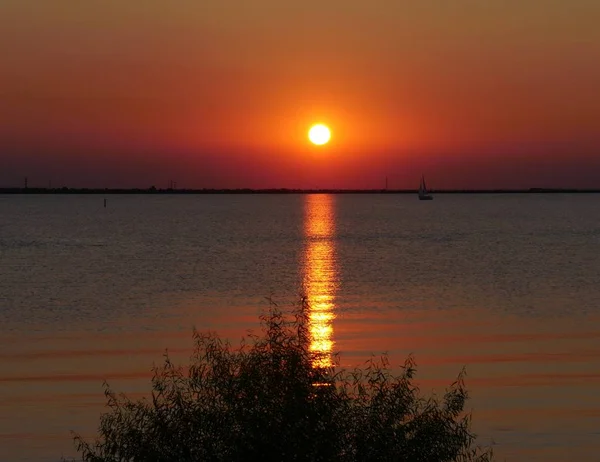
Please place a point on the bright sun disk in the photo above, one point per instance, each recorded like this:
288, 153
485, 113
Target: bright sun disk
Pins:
319, 134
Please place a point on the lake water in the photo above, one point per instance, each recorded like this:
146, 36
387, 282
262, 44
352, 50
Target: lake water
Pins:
506, 285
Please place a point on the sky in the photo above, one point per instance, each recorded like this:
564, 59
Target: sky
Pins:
221, 93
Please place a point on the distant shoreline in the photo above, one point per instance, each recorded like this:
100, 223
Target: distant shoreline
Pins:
289, 191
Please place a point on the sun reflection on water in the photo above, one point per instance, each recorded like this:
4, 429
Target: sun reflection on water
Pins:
320, 277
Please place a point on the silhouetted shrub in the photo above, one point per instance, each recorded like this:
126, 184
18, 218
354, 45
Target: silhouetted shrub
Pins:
265, 400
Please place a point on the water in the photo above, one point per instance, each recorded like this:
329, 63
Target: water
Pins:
508, 285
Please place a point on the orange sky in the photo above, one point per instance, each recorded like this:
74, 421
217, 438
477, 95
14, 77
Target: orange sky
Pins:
221, 93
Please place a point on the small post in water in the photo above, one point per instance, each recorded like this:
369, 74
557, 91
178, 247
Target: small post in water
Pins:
105, 202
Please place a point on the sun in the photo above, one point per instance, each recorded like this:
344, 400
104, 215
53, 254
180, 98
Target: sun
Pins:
319, 134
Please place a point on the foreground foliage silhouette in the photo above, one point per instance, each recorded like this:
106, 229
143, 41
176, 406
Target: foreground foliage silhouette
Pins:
265, 400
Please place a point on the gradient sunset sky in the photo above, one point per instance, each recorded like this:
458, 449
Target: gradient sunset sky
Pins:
221, 93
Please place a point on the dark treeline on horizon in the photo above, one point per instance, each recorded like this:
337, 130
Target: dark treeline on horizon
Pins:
153, 190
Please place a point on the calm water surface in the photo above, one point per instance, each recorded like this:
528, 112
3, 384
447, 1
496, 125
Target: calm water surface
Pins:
508, 285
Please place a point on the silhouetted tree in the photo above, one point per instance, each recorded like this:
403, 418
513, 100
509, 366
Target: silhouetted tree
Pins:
266, 400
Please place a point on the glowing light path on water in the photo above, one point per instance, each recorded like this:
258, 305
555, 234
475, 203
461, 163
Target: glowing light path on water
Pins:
320, 277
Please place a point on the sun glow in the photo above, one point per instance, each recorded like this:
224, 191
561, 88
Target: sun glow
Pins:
319, 134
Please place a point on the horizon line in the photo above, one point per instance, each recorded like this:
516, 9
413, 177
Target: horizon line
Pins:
153, 190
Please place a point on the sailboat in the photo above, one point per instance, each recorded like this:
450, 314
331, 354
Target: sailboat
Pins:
423, 194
